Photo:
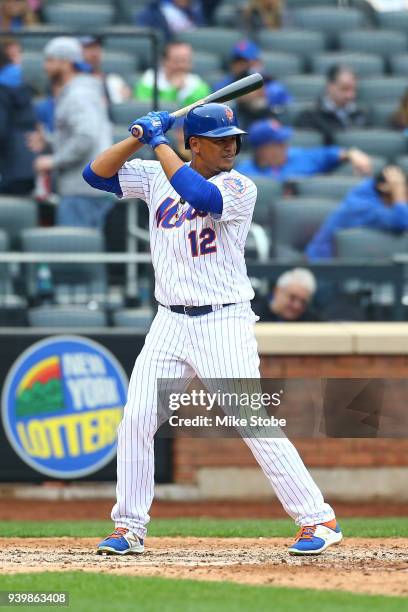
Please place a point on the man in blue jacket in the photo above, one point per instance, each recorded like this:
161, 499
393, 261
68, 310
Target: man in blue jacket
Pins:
378, 203
274, 157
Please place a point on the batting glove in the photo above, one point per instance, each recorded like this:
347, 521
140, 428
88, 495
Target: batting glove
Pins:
166, 119
152, 130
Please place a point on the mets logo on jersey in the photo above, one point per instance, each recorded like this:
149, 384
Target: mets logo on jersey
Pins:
234, 183
62, 403
229, 114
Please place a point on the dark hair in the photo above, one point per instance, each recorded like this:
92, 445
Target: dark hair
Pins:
173, 43
335, 70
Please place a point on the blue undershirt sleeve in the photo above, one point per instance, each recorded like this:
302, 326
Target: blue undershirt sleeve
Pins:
111, 184
201, 194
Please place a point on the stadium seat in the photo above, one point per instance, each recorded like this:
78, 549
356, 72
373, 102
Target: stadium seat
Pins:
126, 112
399, 64
295, 222
63, 316
292, 111
16, 214
139, 319
227, 15
33, 71
381, 42
219, 40
35, 39
305, 87
381, 89
300, 42
385, 143
377, 161
381, 113
128, 9
368, 244
329, 20
79, 15
332, 187
403, 163
306, 138
393, 20
281, 64
5, 282
364, 64
72, 282
139, 46
120, 63
203, 62
269, 190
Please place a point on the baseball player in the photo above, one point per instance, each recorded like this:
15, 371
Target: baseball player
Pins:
200, 215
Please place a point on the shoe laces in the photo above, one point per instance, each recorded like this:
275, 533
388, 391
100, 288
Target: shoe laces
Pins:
306, 533
119, 532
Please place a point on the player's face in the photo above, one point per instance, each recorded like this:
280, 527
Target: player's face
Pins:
290, 302
214, 154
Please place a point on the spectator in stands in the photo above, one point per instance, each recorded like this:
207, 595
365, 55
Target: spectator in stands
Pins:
171, 16
175, 80
399, 119
114, 85
291, 298
82, 131
268, 101
259, 14
275, 158
15, 15
379, 203
337, 109
13, 49
17, 119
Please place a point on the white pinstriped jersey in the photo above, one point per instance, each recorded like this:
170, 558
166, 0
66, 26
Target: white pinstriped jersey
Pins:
198, 258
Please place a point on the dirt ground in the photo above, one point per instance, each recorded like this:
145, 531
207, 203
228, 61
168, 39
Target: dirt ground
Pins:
40, 510
360, 565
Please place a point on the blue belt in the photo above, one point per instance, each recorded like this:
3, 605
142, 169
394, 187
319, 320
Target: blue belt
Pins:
195, 311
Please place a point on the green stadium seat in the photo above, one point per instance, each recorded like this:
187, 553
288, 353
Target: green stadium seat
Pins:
219, 40
5, 277
136, 318
17, 214
306, 138
33, 71
364, 64
66, 316
368, 244
403, 163
227, 15
306, 87
292, 111
393, 20
203, 62
128, 9
399, 64
295, 221
377, 161
386, 143
332, 187
79, 15
269, 190
299, 42
126, 112
380, 42
119, 63
381, 89
329, 20
281, 64
381, 113
139, 46
35, 38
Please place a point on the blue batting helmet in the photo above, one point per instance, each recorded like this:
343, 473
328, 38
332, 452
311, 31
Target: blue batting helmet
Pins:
212, 121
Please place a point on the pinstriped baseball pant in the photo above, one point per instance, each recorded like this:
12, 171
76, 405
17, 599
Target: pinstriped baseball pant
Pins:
219, 345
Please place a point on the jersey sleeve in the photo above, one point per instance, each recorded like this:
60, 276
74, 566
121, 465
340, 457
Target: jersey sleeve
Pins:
136, 178
238, 197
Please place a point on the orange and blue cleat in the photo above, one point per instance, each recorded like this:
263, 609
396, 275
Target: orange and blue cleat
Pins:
314, 539
121, 542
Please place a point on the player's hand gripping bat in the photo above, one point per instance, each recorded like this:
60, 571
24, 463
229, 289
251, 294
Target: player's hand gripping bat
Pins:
230, 92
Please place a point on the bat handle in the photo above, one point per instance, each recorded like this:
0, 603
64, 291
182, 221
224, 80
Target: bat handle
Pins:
136, 131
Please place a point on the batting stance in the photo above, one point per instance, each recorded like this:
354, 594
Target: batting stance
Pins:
199, 220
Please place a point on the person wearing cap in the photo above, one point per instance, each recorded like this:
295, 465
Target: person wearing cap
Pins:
82, 130
175, 81
268, 101
274, 157
114, 85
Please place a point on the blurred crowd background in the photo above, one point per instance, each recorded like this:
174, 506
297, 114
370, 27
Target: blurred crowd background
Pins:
326, 146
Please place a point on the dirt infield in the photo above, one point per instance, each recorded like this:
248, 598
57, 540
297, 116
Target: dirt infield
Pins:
359, 565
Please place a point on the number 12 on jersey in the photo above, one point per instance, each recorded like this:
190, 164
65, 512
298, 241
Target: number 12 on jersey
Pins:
204, 244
